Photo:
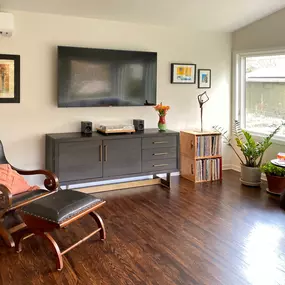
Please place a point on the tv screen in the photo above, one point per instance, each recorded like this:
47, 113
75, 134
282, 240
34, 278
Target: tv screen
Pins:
101, 77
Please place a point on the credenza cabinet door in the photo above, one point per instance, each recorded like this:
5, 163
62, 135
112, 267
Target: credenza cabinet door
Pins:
121, 157
80, 160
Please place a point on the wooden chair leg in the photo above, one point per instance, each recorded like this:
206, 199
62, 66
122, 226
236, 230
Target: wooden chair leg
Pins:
23, 234
7, 237
100, 224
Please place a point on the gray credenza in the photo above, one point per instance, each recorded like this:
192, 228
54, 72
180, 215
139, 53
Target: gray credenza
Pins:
77, 158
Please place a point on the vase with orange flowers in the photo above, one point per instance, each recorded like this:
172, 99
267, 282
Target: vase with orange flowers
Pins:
162, 110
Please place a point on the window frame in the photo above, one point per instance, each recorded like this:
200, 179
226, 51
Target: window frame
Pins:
239, 87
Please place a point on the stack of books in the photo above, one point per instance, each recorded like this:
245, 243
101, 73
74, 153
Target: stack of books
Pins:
216, 145
208, 146
203, 146
208, 169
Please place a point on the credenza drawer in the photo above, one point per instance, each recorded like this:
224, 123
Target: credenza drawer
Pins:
159, 153
158, 165
157, 142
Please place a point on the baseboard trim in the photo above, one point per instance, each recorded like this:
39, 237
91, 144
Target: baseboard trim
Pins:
227, 166
237, 169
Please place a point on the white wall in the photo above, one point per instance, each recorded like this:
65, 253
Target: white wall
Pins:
23, 126
265, 34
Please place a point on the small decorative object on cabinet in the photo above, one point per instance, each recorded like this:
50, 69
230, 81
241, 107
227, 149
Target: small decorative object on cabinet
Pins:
200, 156
202, 99
162, 111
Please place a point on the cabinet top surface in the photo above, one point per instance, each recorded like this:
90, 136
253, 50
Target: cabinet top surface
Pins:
96, 135
198, 133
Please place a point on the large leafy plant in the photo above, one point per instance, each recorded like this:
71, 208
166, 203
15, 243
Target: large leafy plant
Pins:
252, 151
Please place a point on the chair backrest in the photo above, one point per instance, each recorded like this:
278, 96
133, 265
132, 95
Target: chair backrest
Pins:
3, 159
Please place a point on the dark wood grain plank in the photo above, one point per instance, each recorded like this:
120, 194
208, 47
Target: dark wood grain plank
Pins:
216, 233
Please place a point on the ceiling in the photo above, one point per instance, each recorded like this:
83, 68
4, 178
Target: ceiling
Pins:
218, 15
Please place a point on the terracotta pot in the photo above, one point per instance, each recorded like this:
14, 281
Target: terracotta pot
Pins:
250, 176
276, 184
282, 201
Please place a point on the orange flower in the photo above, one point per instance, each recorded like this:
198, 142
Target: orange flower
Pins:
162, 109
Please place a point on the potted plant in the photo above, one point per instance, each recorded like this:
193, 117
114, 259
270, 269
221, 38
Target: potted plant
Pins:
275, 177
252, 151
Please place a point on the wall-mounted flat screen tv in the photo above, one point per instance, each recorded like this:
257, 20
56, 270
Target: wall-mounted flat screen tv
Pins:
101, 77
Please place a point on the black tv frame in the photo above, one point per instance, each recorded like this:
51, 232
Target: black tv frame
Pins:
83, 52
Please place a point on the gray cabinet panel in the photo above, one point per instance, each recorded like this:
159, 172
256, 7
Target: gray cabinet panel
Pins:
159, 141
158, 165
159, 153
79, 160
121, 157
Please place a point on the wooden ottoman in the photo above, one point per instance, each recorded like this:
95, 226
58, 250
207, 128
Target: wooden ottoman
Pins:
57, 211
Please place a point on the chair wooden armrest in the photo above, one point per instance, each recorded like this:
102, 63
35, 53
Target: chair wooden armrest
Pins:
51, 182
5, 199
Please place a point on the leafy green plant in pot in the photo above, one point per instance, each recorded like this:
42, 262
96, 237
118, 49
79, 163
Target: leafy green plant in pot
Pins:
275, 177
252, 151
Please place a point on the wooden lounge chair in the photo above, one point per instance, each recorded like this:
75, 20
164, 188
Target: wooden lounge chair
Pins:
10, 220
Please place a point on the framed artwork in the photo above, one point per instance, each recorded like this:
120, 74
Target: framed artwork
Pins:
204, 78
182, 73
9, 78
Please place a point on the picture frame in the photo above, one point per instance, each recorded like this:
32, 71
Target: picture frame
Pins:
183, 73
204, 78
9, 78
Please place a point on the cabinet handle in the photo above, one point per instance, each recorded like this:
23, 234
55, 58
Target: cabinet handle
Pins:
160, 165
161, 142
100, 153
192, 169
160, 153
105, 153
192, 144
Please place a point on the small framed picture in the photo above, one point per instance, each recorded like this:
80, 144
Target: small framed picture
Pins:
182, 73
9, 78
204, 78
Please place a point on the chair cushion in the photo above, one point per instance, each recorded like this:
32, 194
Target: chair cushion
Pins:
13, 180
20, 198
61, 205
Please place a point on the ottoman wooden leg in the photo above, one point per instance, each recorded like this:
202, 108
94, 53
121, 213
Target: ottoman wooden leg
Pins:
55, 248
100, 224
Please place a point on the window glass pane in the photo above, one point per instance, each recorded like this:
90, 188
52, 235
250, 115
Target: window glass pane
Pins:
265, 93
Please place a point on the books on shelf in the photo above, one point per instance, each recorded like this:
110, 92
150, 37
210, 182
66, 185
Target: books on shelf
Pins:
208, 169
208, 146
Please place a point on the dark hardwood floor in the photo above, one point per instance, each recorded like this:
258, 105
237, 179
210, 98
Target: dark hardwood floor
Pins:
220, 233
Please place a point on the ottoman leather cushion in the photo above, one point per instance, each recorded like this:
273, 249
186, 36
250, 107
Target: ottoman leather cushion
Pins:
61, 205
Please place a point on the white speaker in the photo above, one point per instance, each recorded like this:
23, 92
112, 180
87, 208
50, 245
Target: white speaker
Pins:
6, 24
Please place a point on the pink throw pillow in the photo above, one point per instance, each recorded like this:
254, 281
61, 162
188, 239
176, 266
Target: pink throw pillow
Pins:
13, 180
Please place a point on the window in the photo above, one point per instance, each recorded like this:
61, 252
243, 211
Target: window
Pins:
260, 91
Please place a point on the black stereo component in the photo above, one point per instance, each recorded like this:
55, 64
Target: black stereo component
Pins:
86, 127
139, 125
